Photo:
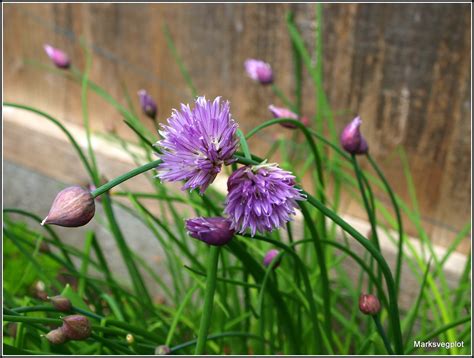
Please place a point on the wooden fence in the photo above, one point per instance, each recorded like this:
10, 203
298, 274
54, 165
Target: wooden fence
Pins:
405, 68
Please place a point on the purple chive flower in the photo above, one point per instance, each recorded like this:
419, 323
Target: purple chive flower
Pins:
269, 257
351, 138
59, 58
261, 197
148, 105
259, 71
197, 142
213, 231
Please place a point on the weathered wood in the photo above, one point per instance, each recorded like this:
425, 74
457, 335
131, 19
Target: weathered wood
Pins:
403, 67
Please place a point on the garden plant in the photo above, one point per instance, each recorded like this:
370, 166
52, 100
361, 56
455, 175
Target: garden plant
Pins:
260, 268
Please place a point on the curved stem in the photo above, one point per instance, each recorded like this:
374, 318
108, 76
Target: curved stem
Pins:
208, 299
381, 331
393, 305
124, 177
76, 146
370, 210
398, 269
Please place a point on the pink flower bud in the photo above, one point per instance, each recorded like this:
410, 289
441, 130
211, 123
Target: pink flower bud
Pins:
56, 336
351, 138
59, 58
72, 207
259, 71
148, 105
61, 303
213, 231
269, 257
76, 327
369, 304
282, 112
162, 350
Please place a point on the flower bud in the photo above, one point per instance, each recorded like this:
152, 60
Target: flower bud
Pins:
259, 71
369, 304
76, 327
162, 350
213, 231
44, 247
61, 303
148, 105
281, 112
72, 207
56, 336
352, 140
59, 58
269, 257
130, 338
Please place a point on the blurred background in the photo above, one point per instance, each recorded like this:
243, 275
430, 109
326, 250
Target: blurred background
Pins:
404, 68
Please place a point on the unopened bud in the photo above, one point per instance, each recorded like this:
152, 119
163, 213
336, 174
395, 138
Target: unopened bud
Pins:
76, 327
259, 71
130, 338
369, 304
352, 140
56, 336
148, 105
162, 350
61, 303
213, 231
72, 207
269, 257
59, 58
282, 112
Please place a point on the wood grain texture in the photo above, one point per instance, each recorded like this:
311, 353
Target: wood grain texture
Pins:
403, 67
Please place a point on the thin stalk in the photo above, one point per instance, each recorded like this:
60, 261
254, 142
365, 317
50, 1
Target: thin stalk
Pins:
76, 146
124, 177
381, 331
208, 299
393, 305
398, 268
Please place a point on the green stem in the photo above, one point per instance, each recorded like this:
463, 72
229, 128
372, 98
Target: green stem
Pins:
76, 146
279, 93
208, 300
370, 210
393, 305
124, 177
381, 331
398, 269
218, 336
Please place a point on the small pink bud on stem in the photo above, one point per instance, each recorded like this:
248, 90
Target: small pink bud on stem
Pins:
76, 327
162, 350
269, 257
369, 304
58, 57
56, 336
61, 303
352, 140
72, 207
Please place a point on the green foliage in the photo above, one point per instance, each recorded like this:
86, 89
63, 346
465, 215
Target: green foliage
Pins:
225, 301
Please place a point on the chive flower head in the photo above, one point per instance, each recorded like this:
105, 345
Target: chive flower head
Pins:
261, 197
196, 143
